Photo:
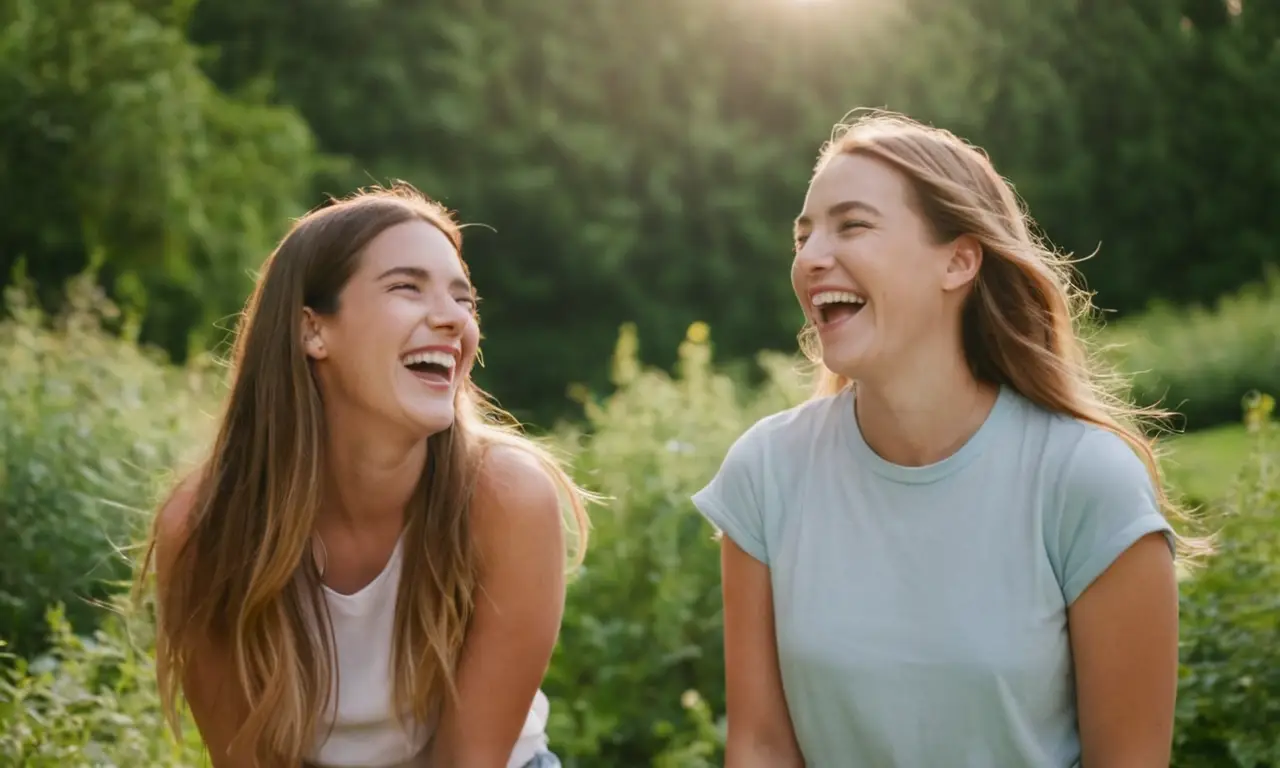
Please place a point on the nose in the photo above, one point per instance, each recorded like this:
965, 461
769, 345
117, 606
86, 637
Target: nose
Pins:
815, 256
447, 315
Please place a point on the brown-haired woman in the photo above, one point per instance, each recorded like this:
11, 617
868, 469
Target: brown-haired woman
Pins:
954, 553
369, 568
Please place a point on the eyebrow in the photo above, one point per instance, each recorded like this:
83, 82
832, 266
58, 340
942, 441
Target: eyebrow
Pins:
423, 276
841, 208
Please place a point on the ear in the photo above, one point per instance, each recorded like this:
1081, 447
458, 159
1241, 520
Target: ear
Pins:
965, 261
312, 338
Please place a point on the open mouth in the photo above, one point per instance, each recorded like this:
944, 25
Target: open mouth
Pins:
834, 306
432, 367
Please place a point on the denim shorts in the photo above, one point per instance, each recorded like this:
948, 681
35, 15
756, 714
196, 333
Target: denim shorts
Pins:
544, 760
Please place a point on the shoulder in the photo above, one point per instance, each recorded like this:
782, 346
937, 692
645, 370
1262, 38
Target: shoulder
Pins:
515, 491
1083, 458
1099, 462
778, 443
175, 519
743, 498
516, 526
804, 418
1106, 500
781, 433
774, 443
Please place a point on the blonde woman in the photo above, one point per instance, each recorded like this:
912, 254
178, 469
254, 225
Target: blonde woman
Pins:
954, 554
369, 568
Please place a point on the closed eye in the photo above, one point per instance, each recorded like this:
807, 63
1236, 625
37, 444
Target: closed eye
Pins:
845, 226
404, 286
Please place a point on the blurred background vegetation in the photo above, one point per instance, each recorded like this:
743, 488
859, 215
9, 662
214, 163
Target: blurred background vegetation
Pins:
636, 166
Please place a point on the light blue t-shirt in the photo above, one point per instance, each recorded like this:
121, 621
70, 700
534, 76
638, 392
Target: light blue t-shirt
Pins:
921, 612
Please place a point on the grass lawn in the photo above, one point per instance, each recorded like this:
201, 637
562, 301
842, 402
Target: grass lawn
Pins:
1205, 463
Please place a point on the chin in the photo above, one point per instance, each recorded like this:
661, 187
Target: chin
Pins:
850, 364
429, 419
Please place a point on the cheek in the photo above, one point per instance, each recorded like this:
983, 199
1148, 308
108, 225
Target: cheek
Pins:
381, 329
470, 341
355, 330
911, 306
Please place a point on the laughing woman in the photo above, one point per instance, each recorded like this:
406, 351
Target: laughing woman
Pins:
955, 553
369, 567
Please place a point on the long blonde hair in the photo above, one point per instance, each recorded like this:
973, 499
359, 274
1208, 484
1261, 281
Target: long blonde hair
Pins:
245, 578
1022, 323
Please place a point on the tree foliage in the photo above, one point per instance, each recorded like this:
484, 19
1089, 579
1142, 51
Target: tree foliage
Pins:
117, 153
631, 162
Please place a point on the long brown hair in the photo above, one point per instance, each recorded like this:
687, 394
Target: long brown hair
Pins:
245, 576
1024, 319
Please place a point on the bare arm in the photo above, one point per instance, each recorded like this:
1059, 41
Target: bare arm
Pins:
1124, 637
760, 732
519, 531
209, 686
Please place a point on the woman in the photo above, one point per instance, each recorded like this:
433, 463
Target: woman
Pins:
369, 568
954, 553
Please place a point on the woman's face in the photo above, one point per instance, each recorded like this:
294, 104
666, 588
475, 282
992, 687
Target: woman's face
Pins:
405, 334
869, 272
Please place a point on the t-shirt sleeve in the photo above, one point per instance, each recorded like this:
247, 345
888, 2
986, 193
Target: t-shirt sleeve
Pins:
732, 501
1105, 504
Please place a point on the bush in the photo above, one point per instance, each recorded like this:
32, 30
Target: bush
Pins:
638, 676
1229, 697
1201, 362
87, 422
642, 629
88, 701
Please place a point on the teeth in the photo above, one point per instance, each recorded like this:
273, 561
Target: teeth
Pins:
439, 358
837, 297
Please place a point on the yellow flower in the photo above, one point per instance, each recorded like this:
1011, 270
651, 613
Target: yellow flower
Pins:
1258, 409
579, 393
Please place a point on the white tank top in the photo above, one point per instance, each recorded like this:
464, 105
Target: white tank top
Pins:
365, 730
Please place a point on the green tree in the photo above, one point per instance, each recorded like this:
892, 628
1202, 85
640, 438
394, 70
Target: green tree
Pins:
642, 161
119, 155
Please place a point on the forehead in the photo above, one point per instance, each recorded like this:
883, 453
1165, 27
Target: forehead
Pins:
856, 178
412, 245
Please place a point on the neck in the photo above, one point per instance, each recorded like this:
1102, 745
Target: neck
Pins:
371, 476
925, 412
